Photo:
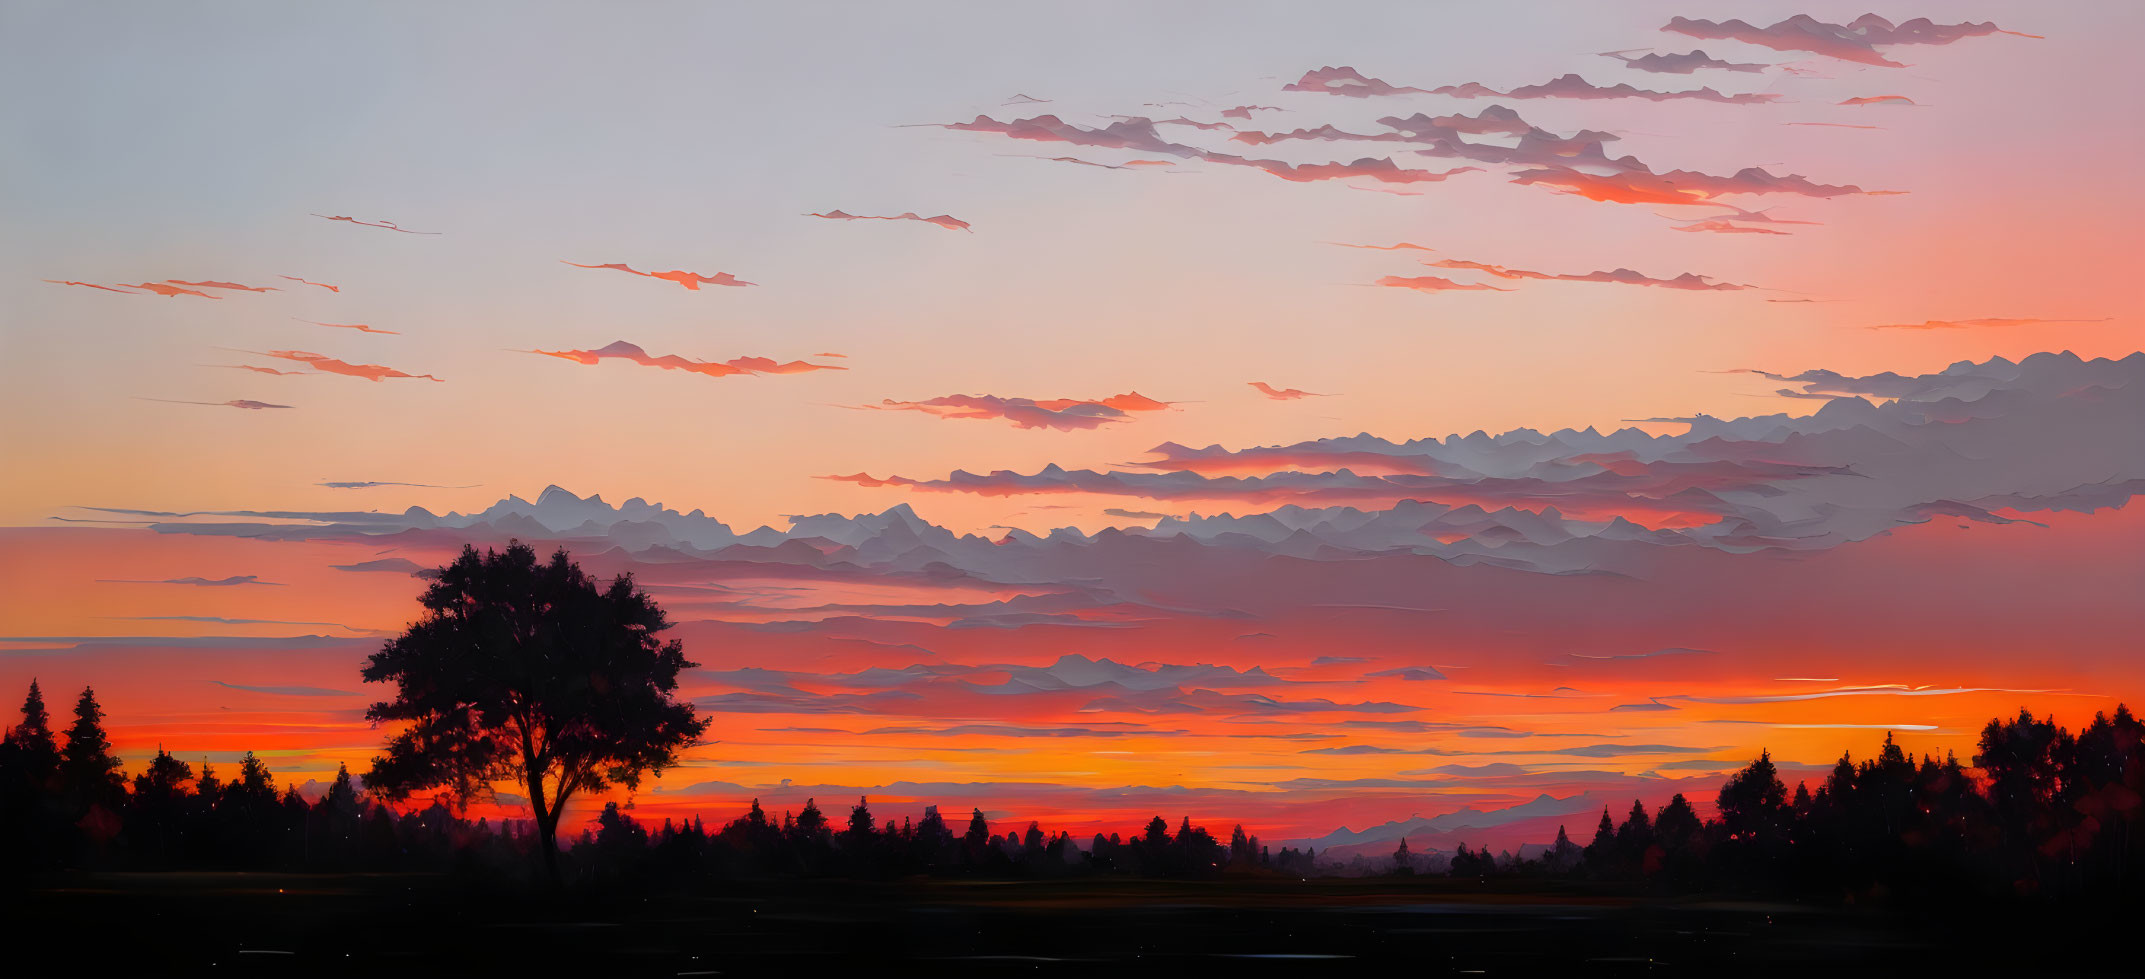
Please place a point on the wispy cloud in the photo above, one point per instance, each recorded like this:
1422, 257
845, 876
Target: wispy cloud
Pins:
329, 365
240, 403
230, 582
1432, 283
946, 221
1981, 323
389, 225
1284, 394
690, 280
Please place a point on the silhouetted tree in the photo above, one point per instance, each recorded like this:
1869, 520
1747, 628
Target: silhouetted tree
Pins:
37, 755
1750, 804
1601, 853
1564, 854
164, 781
860, 828
529, 672
87, 767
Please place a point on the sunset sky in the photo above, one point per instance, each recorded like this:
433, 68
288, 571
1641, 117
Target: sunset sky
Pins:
1919, 521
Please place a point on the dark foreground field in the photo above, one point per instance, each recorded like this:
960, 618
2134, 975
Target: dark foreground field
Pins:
405, 925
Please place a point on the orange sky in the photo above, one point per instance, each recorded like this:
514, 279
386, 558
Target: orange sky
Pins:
707, 148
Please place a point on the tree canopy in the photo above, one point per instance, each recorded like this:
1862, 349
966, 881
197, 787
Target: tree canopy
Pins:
529, 672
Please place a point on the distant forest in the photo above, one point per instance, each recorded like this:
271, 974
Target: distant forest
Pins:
2041, 813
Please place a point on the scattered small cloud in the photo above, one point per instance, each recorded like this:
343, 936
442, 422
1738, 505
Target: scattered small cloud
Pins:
690, 280
389, 225
1062, 414
240, 403
230, 582
1972, 324
946, 221
1431, 283
286, 691
360, 327
1680, 64
1285, 394
1855, 41
329, 365
621, 350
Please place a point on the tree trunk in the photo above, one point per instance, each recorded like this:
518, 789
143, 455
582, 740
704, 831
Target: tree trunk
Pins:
547, 832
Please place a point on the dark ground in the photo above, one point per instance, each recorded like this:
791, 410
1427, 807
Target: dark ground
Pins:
391, 925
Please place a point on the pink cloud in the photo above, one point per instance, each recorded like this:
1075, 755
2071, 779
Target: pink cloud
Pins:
360, 327
122, 290
1856, 41
1431, 283
1572, 86
1401, 246
1992, 321
1622, 276
223, 285
167, 290
1680, 64
946, 221
1061, 414
329, 365
1347, 82
1717, 226
621, 350
248, 405
1679, 186
1285, 394
690, 280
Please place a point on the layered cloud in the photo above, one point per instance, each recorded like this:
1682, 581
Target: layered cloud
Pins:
1347, 82
1678, 186
1061, 414
1138, 134
621, 350
1572, 86
1686, 280
1680, 64
1856, 41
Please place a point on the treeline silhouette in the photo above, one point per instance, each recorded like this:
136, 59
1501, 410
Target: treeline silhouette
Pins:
2042, 812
